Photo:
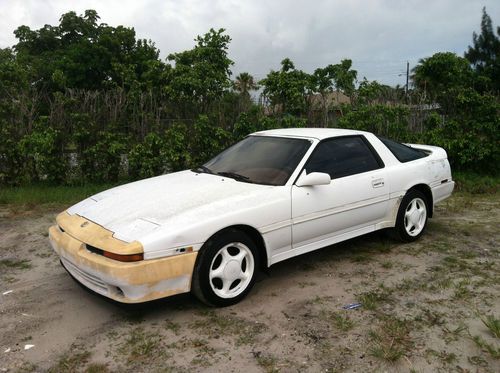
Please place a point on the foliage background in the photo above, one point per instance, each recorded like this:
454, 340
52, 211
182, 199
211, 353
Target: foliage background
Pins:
85, 102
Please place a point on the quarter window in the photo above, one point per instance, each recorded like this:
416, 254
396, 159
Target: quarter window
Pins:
402, 152
343, 156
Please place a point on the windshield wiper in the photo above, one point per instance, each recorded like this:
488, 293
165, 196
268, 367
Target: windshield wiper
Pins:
202, 169
235, 176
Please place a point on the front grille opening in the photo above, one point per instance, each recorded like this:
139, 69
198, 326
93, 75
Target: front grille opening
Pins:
94, 249
61, 228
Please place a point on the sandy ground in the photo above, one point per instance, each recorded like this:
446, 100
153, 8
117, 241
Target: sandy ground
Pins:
422, 307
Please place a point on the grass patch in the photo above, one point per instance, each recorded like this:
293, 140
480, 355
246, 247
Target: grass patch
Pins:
372, 299
43, 194
473, 183
267, 362
492, 323
173, 326
361, 258
387, 264
140, 345
487, 347
214, 325
97, 368
16, 264
391, 341
341, 322
70, 362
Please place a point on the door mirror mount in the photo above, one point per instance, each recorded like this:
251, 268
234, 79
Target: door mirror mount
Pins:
312, 179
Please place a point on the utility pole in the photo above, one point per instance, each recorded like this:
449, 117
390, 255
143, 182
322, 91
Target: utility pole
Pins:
407, 76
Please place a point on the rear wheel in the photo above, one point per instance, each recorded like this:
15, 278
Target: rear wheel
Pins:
412, 216
225, 269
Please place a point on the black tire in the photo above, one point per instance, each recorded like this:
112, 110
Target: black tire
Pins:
211, 258
404, 230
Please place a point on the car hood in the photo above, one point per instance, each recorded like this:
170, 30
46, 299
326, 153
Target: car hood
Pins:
134, 210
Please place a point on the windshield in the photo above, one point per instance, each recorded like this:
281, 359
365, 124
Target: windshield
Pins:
259, 159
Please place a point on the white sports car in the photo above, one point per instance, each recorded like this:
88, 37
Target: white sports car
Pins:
272, 196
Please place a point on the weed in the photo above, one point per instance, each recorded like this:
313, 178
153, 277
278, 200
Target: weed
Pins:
318, 300
447, 357
488, 347
16, 264
215, 324
391, 341
477, 360
408, 284
455, 264
371, 300
173, 326
444, 283
492, 323
267, 362
461, 290
455, 334
70, 362
140, 344
204, 352
97, 368
434, 318
341, 322
27, 368
361, 258
387, 264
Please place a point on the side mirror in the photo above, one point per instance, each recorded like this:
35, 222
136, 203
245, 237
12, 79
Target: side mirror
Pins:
314, 178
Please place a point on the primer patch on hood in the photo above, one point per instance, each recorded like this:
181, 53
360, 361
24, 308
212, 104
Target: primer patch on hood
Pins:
138, 227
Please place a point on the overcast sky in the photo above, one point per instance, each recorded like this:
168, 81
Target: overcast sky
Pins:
379, 36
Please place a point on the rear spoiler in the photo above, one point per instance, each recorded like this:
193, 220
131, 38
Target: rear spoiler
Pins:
435, 151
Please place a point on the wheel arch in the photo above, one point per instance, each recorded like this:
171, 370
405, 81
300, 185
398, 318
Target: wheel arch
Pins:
254, 235
426, 191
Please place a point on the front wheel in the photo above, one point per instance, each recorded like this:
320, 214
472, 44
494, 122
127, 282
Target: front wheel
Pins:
412, 216
225, 269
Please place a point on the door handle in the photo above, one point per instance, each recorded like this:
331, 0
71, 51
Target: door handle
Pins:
378, 183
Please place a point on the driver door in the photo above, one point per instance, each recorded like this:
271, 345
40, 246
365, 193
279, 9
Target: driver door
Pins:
354, 201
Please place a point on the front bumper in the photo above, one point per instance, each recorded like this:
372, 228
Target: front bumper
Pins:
133, 282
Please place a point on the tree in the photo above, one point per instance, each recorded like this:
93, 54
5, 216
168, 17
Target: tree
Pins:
344, 77
484, 54
202, 74
323, 82
244, 83
289, 88
81, 53
372, 92
442, 75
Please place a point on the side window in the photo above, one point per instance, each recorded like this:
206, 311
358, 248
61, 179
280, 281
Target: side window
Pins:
343, 156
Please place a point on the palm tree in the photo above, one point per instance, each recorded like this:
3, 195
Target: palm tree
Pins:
244, 83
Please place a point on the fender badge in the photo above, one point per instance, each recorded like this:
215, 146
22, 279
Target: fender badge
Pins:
84, 224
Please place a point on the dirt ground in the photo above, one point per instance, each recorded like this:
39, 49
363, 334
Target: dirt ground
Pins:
426, 307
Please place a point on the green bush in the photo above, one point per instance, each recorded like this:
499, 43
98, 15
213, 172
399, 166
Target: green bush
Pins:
471, 136
147, 159
11, 162
207, 140
176, 147
385, 121
102, 161
42, 151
